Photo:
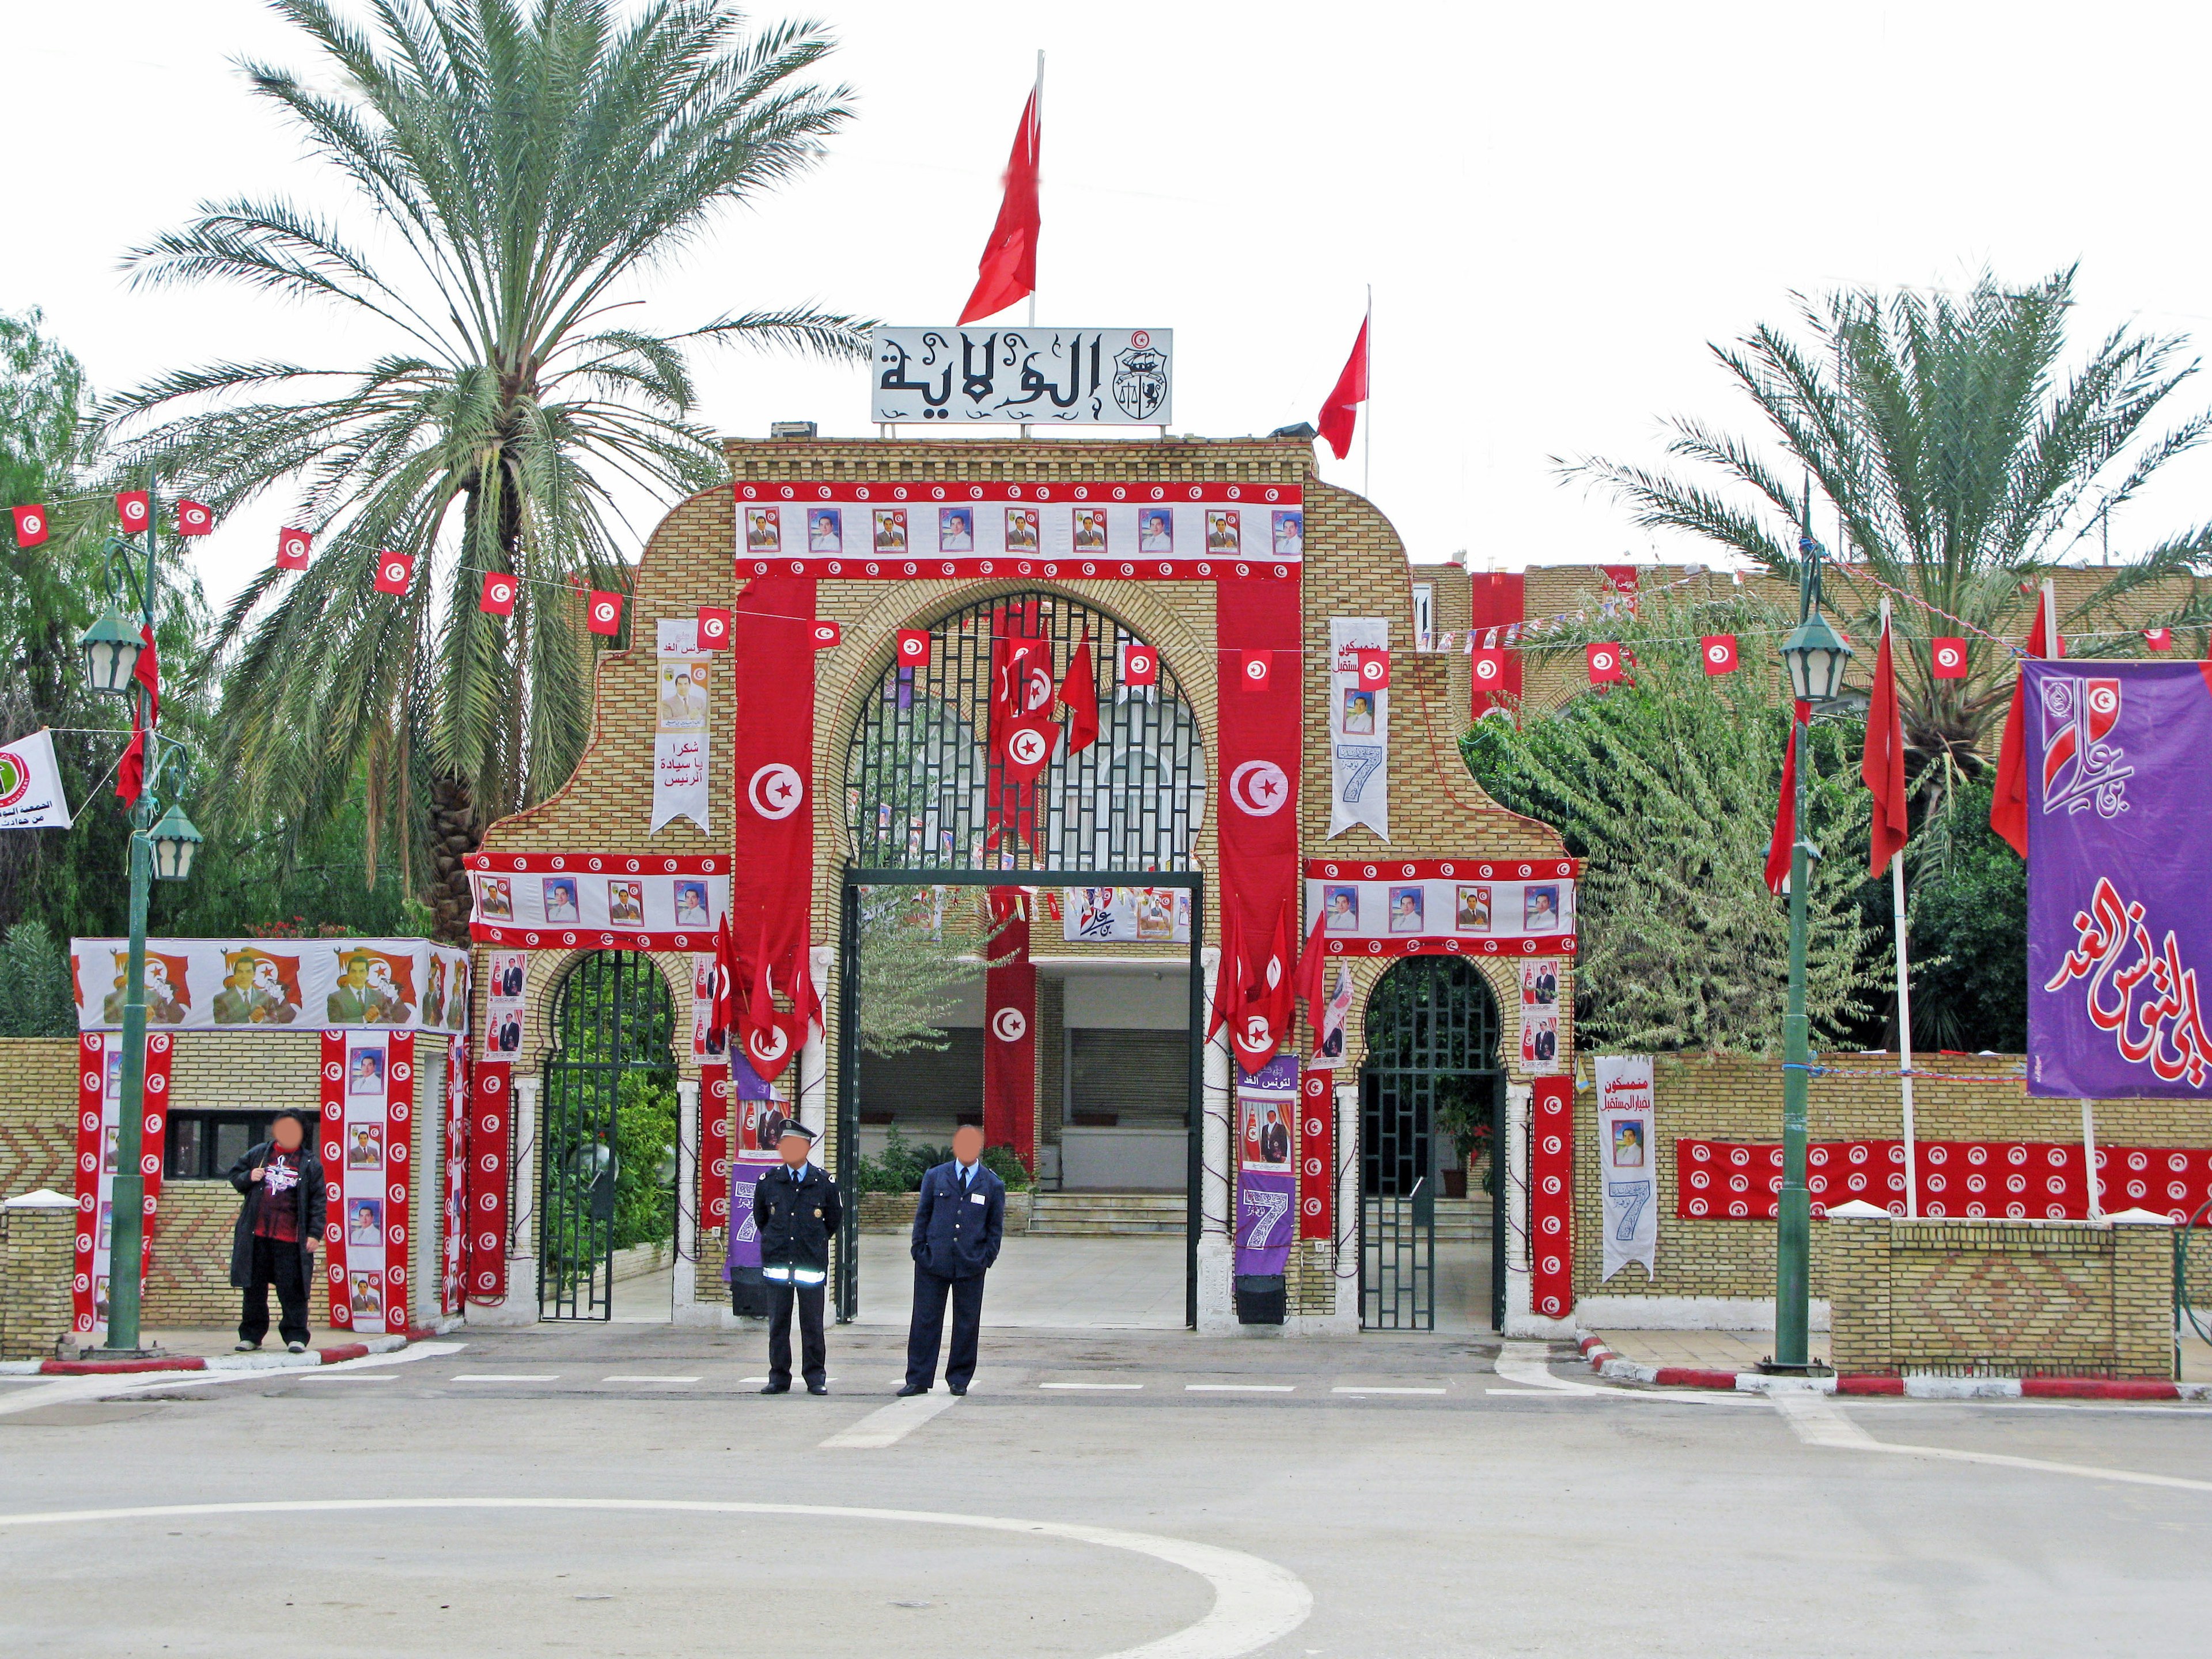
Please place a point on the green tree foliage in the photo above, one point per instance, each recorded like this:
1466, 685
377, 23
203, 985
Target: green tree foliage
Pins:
517, 170
918, 947
645, 1154
36, 996
1966, 456
1666, 787
1968, 930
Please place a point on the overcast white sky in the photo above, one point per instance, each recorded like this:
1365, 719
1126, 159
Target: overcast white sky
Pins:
1558, 208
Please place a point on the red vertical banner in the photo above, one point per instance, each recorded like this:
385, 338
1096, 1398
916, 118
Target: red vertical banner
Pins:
773, 745
99, 1127
1552, 1196
490, 1116
452, 1286
1499, 601
714, 1200
1261, 725
332, 1151
1316, 1121
399, 1173
1010, 1028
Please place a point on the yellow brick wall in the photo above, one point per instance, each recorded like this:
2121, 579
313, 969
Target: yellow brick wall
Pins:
38, 1256
37, 1114
1740, 1099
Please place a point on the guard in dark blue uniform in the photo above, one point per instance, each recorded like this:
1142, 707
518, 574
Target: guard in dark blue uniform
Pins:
959, 1219
796, 1211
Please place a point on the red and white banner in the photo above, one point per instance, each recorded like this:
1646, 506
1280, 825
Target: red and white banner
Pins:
773, 749
1021, 733
1128, 531
607, 900
1442, 907
453, 1287
1552, 1196
1009, 985
98, 1130
1316, 1143
1260, 745
491, 1115
367, 1130
713, 1199
2003, 1180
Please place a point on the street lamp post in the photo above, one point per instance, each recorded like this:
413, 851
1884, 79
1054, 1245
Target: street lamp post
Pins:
1815, 655
164, 848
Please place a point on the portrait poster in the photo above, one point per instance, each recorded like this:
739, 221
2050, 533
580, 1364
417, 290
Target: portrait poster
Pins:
275, 984
1627, 1152
1266, 1177
367, 1134
1540, 1016
1359, 730
682, 711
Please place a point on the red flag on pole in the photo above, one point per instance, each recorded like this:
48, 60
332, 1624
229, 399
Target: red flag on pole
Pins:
1785, 812
1007, 270
1079, 695
2008, 799
1340, 413
1882, 766
1313, 969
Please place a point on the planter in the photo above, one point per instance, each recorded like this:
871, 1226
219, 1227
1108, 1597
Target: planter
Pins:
893, 1213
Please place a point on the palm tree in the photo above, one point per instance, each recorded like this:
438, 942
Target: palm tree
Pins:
1963, 461
516, 167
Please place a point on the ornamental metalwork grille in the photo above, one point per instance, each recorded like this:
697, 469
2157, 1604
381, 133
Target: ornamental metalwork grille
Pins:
919, 775
612, 1017
1431, 1031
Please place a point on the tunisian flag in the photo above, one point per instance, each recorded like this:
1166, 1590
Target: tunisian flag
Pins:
2009, 798
1882, 766
1785, 812
1007, 270
1341, 412
1258, 820
773, 747
1010, 986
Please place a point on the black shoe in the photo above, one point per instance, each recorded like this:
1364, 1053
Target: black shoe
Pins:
817, 1388
914, 1388
957, 1388
777, 1388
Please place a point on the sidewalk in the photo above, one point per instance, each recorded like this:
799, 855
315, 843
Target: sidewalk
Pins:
1741, 1351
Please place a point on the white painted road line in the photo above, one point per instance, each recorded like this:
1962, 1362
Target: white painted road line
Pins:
1528, 1365
61, 1390
892, 1422
504, 1377
1095, 1387
1382, 1390
618, 1378
1238, 1388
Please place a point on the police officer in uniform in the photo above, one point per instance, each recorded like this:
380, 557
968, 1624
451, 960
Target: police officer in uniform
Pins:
795, 1211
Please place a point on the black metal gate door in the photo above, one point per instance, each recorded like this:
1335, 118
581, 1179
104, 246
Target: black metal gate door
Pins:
1432, 1067
612, 1017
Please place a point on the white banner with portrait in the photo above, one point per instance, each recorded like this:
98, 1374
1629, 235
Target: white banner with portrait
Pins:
1358, 728
1124, 916
275, 984
680, 725
1627, 1163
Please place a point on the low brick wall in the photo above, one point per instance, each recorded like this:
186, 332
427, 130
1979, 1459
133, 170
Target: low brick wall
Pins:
893, 1213
188, 1286
2000, 1298
38, 1253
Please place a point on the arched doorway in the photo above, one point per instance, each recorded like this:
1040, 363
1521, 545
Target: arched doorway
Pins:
1118, 1044
1431, 1089
607, 1130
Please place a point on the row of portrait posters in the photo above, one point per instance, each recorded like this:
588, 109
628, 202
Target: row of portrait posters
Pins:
204, 984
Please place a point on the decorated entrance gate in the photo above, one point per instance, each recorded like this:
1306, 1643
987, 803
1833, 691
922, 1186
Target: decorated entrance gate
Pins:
1432, 1070
613, 1018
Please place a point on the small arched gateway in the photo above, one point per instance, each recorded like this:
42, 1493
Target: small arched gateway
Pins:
1165, 712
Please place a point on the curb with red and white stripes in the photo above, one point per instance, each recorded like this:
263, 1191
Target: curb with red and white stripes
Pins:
1607, 1364
337, 1353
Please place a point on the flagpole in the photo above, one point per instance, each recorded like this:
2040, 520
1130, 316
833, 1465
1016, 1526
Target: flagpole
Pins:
1037, 106
1367, 435
1904, 1008
2053, 646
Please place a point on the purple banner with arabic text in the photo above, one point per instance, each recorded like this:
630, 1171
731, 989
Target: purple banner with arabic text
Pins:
2119, 867
1266, 1177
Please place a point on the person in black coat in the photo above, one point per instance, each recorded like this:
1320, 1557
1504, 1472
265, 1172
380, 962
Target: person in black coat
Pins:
796, 1210
959, 1220
273, 1241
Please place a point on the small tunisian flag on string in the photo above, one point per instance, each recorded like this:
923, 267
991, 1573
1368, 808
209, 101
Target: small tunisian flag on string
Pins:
193, 518
1007, 270
30, 525
2158, 638
497, 598
393, 571
133, 508
604, 613
713, 628
1079, 695
1719, 653
1340, 413
1947, 655
2008, 799
292, 549
1604, 661
1882, 766
1785, 813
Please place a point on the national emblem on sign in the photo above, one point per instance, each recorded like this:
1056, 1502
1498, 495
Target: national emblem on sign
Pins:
1140, 378
1253, 671
1258, 787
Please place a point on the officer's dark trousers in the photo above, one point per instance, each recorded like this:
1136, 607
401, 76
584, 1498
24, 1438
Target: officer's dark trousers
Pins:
928, 1326
782, 1293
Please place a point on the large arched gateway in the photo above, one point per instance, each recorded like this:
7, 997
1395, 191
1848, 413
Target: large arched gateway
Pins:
1170, 713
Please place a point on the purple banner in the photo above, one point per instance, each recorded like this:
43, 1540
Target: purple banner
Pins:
1268, 1182
2119, 863
746, 1086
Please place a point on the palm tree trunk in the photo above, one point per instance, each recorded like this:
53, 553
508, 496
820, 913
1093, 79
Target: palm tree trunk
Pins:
455, 832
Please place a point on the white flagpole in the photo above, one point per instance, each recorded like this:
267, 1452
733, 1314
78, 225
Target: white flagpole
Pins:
1904, 1005
1367, 437
1037, 126
2054, 646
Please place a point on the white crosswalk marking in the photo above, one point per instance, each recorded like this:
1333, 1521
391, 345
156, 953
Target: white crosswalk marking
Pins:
893, 1423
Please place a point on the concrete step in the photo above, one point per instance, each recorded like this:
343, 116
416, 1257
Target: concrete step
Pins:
1081, 1215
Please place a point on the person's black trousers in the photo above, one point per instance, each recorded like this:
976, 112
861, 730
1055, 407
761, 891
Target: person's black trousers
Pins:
814, 1356
283, 1264
922, 1335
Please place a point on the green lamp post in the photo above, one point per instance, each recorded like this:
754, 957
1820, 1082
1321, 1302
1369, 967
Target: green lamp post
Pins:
162, 847
1815, 654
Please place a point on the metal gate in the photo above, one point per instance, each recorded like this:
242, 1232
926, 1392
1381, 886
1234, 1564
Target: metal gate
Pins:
1432, 1063
612, 1017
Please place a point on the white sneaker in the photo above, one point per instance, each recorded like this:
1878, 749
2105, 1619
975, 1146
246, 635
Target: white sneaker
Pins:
247, 1347
296, 1347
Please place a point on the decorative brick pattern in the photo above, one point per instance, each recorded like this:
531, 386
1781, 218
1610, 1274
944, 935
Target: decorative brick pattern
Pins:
38, 1255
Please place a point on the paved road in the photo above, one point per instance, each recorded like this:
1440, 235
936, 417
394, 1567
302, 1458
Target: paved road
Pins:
605, 1492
